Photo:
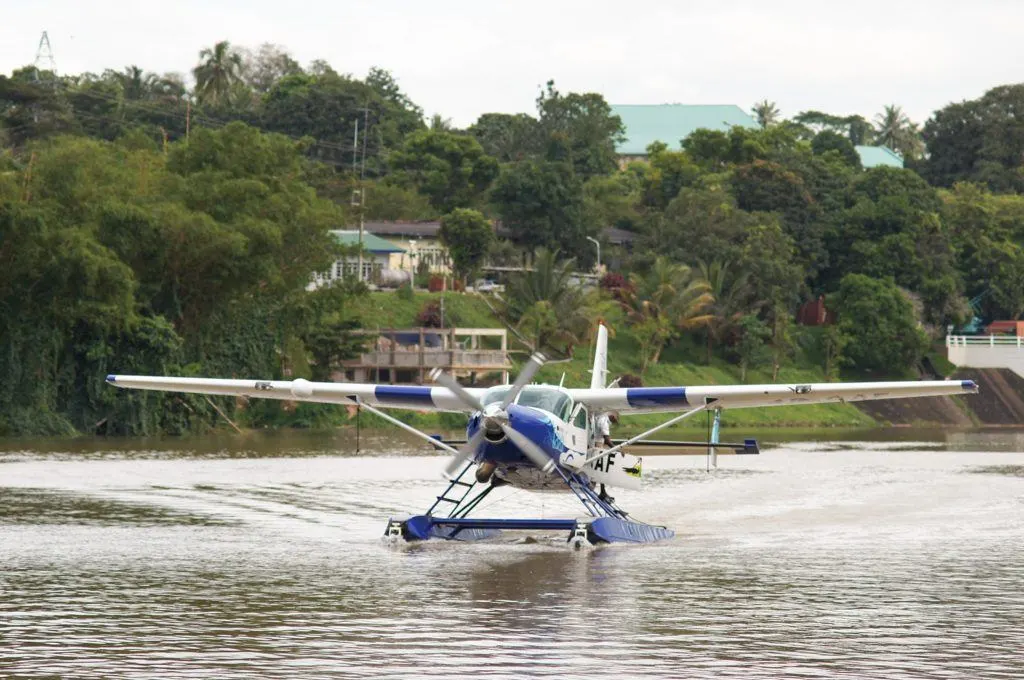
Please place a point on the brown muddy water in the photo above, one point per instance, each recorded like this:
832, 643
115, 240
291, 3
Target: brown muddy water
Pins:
261, 557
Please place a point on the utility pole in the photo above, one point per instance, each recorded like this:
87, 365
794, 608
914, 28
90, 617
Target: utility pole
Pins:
359, 195
598, 244
357, 199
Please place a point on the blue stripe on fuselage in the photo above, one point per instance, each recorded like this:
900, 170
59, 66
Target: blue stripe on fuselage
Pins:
649, 397
396, 395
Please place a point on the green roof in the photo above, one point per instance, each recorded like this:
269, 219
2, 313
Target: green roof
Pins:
671, 123
875, 156
371, 242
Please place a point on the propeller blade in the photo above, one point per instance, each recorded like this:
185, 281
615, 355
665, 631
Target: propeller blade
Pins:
532, 451
445, 380
465, 453
533, 364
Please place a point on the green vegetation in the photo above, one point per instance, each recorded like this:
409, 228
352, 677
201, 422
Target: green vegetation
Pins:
146, 227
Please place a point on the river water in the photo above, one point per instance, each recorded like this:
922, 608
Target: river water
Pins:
261, 557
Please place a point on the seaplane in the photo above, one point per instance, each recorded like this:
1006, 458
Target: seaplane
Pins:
545, 438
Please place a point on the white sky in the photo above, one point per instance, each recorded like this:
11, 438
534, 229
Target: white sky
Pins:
463, 58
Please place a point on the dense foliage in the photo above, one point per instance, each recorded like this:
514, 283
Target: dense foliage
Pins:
149, 227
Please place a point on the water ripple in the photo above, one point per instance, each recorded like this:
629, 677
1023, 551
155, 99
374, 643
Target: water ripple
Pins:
851, 564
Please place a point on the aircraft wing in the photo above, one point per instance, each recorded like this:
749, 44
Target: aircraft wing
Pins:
628, 400
420, 398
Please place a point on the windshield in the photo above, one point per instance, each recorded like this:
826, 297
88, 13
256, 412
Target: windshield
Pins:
495, 394
548, 399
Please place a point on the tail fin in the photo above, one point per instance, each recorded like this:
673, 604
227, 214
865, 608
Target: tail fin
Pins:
599, 376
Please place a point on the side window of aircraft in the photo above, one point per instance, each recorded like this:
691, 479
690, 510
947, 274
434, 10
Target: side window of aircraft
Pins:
580, 420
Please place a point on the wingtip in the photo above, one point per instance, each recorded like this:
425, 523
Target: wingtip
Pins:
111, 378
969, 385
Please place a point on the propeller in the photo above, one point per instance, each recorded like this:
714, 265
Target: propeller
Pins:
494, 418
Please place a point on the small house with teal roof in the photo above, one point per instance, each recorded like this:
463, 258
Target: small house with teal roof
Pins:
377, 254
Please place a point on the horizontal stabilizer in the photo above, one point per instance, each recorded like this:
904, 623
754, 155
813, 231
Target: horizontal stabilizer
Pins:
667, 448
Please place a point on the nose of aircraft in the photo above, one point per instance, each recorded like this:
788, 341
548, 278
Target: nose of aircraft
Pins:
518, 432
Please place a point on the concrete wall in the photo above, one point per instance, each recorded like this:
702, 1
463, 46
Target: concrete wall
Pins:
993, 351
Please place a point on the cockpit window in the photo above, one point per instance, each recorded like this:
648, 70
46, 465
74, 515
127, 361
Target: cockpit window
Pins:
495, 394
554, 401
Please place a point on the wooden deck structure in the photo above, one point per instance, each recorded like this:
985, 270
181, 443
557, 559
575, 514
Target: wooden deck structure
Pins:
407, 355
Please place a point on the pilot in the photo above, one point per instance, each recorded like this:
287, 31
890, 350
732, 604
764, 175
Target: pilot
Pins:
604, 428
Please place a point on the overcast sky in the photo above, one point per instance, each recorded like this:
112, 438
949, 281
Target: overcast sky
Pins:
461, 59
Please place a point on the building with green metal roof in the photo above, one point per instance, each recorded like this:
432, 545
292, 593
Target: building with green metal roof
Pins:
372, 243
672, 123
377, 254
878, 156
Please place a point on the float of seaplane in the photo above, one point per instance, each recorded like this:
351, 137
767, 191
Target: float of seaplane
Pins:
545, 438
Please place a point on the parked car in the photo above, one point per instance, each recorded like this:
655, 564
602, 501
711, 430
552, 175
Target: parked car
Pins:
487, 286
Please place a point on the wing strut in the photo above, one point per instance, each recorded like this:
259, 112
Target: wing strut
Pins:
408, 428
643, 435
713, 440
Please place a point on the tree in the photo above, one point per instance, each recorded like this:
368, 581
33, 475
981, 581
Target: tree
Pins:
611, 200
782, 342
765, 186
439, 123
541, 204
665, 174
329, 107
451, 170
728, 286
267, 65
855, 127
467, 235
766, 113
827, 140
752, 348
768, 256
877, 322
699, 224
30, 108
509, 137
894, 129
986, 235
668, 300
219, 70
546, 306
581, 129
980, 140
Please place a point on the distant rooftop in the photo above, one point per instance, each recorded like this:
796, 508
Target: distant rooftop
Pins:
875, 156
374, 244
671, 123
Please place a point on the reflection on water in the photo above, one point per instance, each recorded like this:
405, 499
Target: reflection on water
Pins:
262, 557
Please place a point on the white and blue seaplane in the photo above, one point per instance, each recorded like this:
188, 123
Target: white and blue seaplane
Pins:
544, 437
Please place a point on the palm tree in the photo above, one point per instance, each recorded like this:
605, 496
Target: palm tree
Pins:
665, 302
730, 292
894, 129
218, 72
440, 124
766, 112
546, 306
134, 83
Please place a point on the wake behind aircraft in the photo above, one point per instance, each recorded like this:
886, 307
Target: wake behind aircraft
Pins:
544, 437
